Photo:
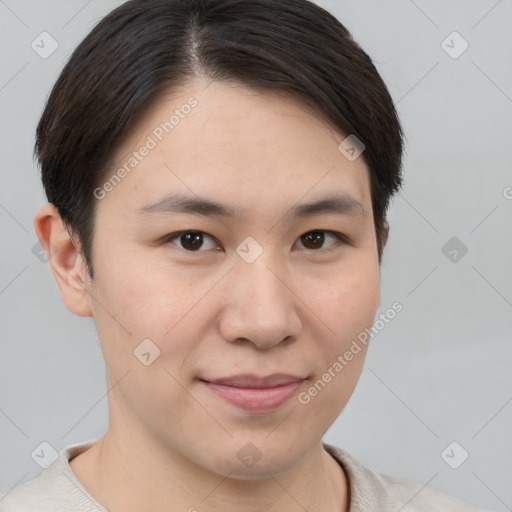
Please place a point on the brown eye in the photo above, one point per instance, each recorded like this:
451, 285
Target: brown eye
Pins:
314, 240
197, 241
191, 241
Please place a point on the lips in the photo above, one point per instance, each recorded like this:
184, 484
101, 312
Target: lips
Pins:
253, 381
256, 394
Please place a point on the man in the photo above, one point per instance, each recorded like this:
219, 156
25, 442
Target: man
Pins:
218, 175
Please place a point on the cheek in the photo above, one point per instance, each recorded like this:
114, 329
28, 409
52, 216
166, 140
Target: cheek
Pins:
142, 301
128, 304
348, 301
150, 297
143, 312
346, 304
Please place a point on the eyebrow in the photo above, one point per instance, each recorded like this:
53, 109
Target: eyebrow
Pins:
341, 204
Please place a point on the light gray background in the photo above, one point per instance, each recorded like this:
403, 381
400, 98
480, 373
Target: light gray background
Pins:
439, 372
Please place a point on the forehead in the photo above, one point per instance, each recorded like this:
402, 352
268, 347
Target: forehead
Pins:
232, 141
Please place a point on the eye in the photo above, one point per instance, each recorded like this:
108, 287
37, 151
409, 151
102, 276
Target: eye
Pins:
190, 241
315, 239
193, 241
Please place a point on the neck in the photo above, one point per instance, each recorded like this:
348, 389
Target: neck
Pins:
124, 475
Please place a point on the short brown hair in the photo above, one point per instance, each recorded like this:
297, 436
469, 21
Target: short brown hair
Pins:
144, 48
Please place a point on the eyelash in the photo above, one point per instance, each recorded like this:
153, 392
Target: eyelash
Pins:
340, 237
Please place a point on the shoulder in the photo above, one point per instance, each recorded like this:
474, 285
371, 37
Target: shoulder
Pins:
41, 493
415, 497
56, 489
372, 491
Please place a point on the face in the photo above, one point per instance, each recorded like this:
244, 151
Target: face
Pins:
256, 284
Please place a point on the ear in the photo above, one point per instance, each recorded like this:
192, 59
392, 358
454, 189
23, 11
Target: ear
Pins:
67, 263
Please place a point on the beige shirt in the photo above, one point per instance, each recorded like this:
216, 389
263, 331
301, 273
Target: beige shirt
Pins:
57, 489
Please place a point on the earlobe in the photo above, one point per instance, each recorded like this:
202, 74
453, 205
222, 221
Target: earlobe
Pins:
66, 261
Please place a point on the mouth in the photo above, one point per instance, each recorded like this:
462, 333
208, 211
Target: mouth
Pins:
255, 394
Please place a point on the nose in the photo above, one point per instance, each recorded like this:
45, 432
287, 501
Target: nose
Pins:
259, 306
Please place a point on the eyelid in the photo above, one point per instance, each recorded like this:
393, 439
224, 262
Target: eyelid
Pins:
341, 239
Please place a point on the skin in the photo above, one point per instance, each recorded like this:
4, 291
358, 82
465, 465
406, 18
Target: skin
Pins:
172, 443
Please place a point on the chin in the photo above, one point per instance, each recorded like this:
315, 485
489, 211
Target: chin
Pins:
254, 460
